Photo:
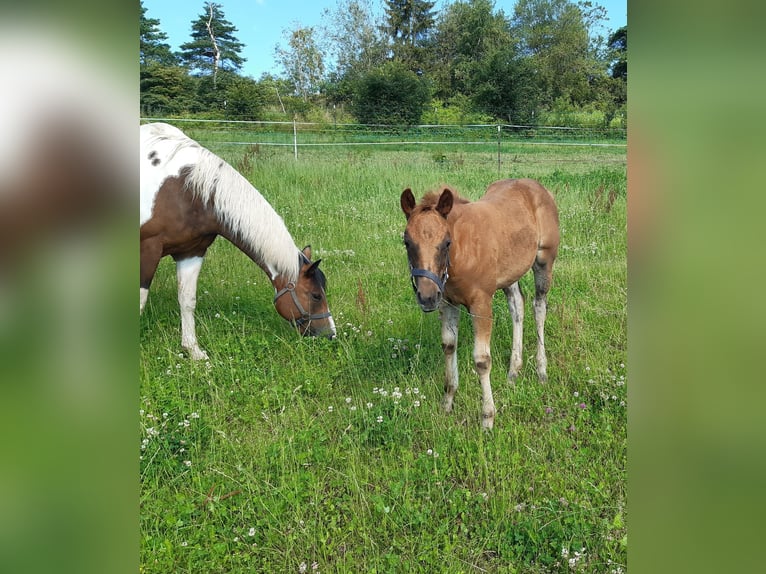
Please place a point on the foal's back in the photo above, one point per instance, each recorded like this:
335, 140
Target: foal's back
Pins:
516, 218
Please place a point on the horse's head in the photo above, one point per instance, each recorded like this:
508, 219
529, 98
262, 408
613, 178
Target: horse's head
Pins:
304, 302
427, 239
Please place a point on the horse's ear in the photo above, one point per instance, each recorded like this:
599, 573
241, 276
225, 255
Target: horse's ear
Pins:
314, 266
446, 199
307, 252
407, 201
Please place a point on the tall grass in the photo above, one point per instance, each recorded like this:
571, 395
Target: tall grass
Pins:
283, 454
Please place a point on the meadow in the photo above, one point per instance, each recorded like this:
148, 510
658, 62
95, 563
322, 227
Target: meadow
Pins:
289, 454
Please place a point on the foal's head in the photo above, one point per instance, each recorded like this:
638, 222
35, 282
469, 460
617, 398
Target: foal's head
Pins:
304, 302
427, 239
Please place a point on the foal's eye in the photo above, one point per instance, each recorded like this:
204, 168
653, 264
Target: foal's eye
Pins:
316, 297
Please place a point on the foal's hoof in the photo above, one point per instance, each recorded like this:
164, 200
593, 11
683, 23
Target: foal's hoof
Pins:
487, 422
198, 354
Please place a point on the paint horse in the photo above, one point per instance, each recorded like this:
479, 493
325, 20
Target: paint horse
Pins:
189, 196
460, 252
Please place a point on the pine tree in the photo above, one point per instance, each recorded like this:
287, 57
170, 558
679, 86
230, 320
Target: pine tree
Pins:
152, 47
213, 46
408, 25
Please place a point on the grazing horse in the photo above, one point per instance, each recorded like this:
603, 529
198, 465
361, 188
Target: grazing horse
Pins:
460, 252
189, 196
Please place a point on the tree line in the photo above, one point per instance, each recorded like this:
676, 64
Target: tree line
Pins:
409, 64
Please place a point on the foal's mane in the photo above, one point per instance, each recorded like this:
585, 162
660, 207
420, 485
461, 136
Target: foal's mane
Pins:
241, 208
431, 198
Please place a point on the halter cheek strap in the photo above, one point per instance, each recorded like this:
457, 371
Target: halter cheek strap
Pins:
305, 315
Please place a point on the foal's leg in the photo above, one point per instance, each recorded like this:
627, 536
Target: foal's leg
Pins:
542, 269
450, 316
187, 271
516, 307
482, 359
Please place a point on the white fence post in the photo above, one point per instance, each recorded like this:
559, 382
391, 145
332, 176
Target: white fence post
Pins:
295, 138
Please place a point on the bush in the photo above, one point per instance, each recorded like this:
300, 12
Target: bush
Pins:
390, 95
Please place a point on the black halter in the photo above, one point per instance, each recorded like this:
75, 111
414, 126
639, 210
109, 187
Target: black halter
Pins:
440, 281
305, 315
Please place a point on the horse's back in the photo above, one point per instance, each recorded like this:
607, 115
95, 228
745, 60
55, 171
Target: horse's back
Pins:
165, 152
516, 196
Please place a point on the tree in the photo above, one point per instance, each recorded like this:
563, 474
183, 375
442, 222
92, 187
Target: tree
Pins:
554, 36
213, 46
152, 48
391, 94
166, 89
303, 61
354, 40
467, 33
409, 24
245, 99
618, 45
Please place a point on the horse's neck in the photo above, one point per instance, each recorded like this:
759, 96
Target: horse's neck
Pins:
271, 266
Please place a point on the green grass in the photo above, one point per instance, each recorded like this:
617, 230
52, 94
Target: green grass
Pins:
282, 451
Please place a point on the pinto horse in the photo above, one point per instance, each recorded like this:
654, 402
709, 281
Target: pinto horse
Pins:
460, 252
189, 196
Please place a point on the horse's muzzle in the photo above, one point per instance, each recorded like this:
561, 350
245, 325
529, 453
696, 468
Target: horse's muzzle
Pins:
430, 303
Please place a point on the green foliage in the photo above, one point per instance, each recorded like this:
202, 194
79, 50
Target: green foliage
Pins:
152, 46
390, 95
166, 89
302, 61
478, 64
336, 453
408, 25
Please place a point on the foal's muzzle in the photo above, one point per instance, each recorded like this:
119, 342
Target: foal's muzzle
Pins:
431, 302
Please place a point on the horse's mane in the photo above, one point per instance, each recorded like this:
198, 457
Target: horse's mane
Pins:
241, 208
431, 198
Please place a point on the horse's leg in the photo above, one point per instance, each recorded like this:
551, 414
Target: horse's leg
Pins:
516, 307
450, 316
543, 270
151, 253
482, 359
187, 271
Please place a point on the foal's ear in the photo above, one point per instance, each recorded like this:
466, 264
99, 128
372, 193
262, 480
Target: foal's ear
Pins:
307, 252
407, 201
446, 199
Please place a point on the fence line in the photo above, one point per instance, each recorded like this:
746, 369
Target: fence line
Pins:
316, 135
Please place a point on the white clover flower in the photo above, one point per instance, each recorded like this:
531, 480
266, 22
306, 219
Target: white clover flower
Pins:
251, 532
187, 463
379, 419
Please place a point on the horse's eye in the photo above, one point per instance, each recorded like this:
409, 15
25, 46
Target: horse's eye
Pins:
317, 297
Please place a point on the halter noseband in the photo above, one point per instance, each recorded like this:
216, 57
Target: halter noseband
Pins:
440, 281
305, 315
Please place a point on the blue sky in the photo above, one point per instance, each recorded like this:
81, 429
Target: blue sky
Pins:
260, 23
